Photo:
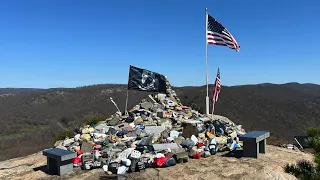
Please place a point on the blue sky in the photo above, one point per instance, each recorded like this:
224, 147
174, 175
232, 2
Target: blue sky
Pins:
69, 43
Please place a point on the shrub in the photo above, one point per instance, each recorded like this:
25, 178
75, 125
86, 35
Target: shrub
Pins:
303, 170
94, 120
63, 134
313, 132
306, 170
314, 138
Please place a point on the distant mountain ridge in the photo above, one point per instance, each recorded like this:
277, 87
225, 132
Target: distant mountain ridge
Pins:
30, 118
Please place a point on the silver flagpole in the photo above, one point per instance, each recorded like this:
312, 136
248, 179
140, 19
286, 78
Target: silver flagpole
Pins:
214, 102
207, 74
126, 108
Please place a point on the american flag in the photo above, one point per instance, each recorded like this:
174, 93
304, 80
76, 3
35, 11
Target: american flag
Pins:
219, 35
217, 88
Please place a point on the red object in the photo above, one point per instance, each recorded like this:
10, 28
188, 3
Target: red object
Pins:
76, 160
79, 152
160, 161
196, 156
200, 145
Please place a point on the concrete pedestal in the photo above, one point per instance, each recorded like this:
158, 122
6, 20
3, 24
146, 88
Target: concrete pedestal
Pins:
59, 161
254, 143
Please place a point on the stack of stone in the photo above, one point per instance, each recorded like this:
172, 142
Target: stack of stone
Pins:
158, 132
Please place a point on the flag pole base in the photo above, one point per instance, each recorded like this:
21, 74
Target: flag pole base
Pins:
207, 105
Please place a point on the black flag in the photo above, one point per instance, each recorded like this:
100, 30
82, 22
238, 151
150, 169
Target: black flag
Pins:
145, 80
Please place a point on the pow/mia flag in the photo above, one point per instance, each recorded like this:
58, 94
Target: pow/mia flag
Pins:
145, 80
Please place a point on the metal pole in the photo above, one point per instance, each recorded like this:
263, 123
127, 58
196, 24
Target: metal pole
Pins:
298, 143
207, 74
126, 108
214, 102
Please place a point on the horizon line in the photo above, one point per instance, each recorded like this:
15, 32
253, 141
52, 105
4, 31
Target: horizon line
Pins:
171, 85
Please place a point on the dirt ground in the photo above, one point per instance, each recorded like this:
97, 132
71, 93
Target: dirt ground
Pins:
268, 166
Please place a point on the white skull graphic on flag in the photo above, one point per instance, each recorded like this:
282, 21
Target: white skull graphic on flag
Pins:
147, 80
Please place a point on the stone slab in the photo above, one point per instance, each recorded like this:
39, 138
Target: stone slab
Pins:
86, 147
102, 127
59, 154
160, 147
254, 136
156, 130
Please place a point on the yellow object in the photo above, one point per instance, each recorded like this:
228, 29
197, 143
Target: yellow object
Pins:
229, 131
85, 137
77, 148
178, 108
91, 130
209, 135
240, 143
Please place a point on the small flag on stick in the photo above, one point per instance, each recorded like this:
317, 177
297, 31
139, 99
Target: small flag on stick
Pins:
217, 88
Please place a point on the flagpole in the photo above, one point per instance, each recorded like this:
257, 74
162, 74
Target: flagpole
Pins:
214, 102
127, 97
207, 76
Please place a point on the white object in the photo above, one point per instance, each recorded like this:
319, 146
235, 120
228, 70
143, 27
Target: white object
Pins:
105, 168
77, 137
68, 142
174, 134
159, 155
135, 154
125, 154
99, 135
126, 162
122, 169
194, 139
170, 139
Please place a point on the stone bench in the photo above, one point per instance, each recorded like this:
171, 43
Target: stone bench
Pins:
254, 142
59, 161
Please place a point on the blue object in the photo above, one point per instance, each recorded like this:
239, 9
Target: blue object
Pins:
213, 141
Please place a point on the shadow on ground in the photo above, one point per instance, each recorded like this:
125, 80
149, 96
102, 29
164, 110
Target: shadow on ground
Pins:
236, 154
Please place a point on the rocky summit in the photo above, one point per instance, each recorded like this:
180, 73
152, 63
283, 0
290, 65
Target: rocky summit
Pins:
158, 132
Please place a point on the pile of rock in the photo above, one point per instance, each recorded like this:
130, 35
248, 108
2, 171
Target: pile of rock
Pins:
156, 133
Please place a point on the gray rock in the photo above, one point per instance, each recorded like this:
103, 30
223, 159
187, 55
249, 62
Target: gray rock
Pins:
113, 121
157, 107
160, 147
206, 154
157, 130
146, 105
138, 120
178, 140
160, 114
